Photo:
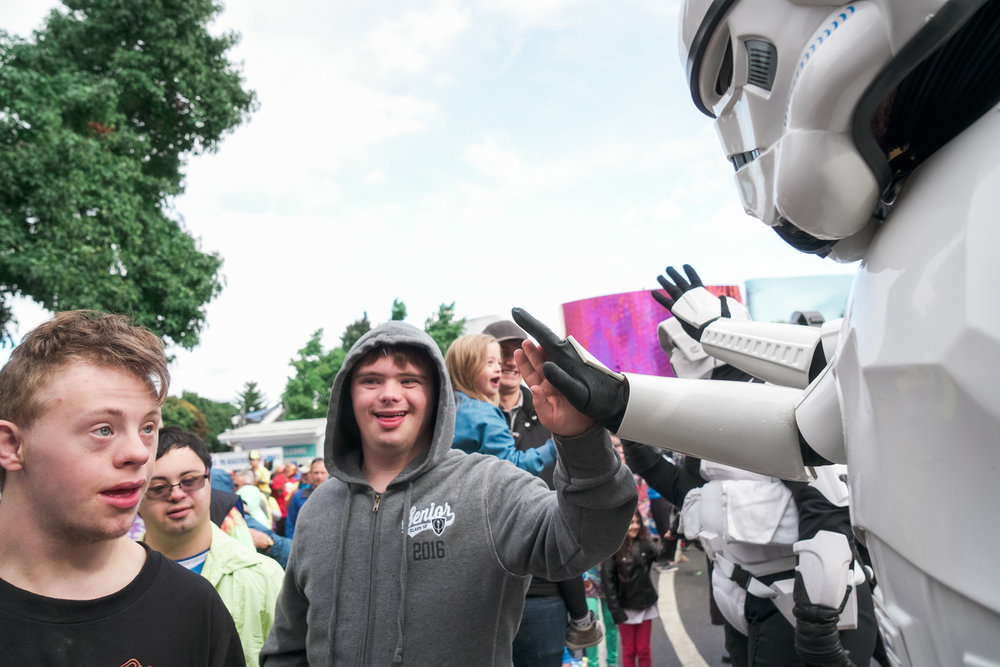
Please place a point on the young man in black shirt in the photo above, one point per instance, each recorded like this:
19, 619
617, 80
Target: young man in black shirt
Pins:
80, 405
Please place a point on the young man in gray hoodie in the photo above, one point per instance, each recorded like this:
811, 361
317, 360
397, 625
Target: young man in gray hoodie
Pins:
415, 553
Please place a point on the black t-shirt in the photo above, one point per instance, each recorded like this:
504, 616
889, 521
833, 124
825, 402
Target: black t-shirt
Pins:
165, 617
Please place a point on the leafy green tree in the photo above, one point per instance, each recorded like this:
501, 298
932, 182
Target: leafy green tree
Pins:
250, 399
178, 412
443, 327
398, 311
98, 115
354, 331
218, 415
307, 394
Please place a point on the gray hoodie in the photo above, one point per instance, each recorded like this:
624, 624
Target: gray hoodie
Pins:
434, 570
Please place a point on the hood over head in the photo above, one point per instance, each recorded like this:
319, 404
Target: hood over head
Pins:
342, 448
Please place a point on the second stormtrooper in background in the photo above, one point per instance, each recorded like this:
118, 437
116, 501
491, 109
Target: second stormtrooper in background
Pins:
766, 538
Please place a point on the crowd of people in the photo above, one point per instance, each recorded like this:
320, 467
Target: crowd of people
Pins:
455, 474
131, 548
470, 508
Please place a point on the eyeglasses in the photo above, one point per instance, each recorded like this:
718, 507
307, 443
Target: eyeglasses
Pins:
188, 485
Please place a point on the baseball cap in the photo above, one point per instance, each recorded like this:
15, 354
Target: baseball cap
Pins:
505, 330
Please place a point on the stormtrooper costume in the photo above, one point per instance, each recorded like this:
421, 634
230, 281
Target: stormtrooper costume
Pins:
751, 527
862, 130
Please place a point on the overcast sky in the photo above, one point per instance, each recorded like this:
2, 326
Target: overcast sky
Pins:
492, 153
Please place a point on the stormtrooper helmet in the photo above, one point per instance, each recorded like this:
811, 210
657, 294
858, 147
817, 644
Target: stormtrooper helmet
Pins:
796, 88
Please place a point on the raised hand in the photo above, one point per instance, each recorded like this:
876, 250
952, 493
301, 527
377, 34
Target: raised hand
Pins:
688, 300
568, 371
554, 411
679, 285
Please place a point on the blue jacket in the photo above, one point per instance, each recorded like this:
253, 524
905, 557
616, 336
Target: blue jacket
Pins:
282, 546
481, 427
294, 505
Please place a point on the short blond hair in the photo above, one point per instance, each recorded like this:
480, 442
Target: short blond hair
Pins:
102, 339
465, 359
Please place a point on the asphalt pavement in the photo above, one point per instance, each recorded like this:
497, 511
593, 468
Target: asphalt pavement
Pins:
684, 635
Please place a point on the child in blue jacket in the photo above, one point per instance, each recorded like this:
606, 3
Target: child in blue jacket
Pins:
473, 363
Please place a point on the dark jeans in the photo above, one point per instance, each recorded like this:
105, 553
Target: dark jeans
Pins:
540, 638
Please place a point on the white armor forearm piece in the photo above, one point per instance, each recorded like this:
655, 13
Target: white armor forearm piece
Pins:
755, 430
774, 352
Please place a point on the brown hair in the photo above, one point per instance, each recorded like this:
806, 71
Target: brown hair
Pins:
465, 359
102, 339
626, 548
401, 354
174, 437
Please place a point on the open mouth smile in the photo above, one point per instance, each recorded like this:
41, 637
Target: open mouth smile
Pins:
390, 419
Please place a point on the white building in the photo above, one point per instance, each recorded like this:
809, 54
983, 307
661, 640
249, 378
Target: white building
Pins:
299, 440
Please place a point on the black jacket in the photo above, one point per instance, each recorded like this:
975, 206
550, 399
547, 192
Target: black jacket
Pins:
626, 581
528, 432
222, 502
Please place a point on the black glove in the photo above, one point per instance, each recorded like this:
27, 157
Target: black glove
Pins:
598, 395
676, 290
817, 640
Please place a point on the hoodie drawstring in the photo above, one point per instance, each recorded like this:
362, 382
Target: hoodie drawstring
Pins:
397, 656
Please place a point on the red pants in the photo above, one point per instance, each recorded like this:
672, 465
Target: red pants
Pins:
635, 643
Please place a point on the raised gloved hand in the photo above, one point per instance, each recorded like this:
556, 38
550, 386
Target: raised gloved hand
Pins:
693, 305
593, 389
817, 639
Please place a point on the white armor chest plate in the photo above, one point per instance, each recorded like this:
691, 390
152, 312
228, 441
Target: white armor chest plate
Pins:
917, 374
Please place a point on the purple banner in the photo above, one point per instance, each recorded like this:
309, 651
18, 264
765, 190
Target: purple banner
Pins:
620, 329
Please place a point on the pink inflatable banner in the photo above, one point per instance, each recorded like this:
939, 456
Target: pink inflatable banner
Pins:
620, 329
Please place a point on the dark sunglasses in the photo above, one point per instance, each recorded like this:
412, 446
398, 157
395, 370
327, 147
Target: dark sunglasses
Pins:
188, 484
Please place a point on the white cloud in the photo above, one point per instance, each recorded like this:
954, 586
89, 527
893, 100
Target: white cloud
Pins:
528, 14
410, 42
489, 153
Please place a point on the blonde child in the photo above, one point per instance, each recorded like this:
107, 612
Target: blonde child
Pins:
473, 363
